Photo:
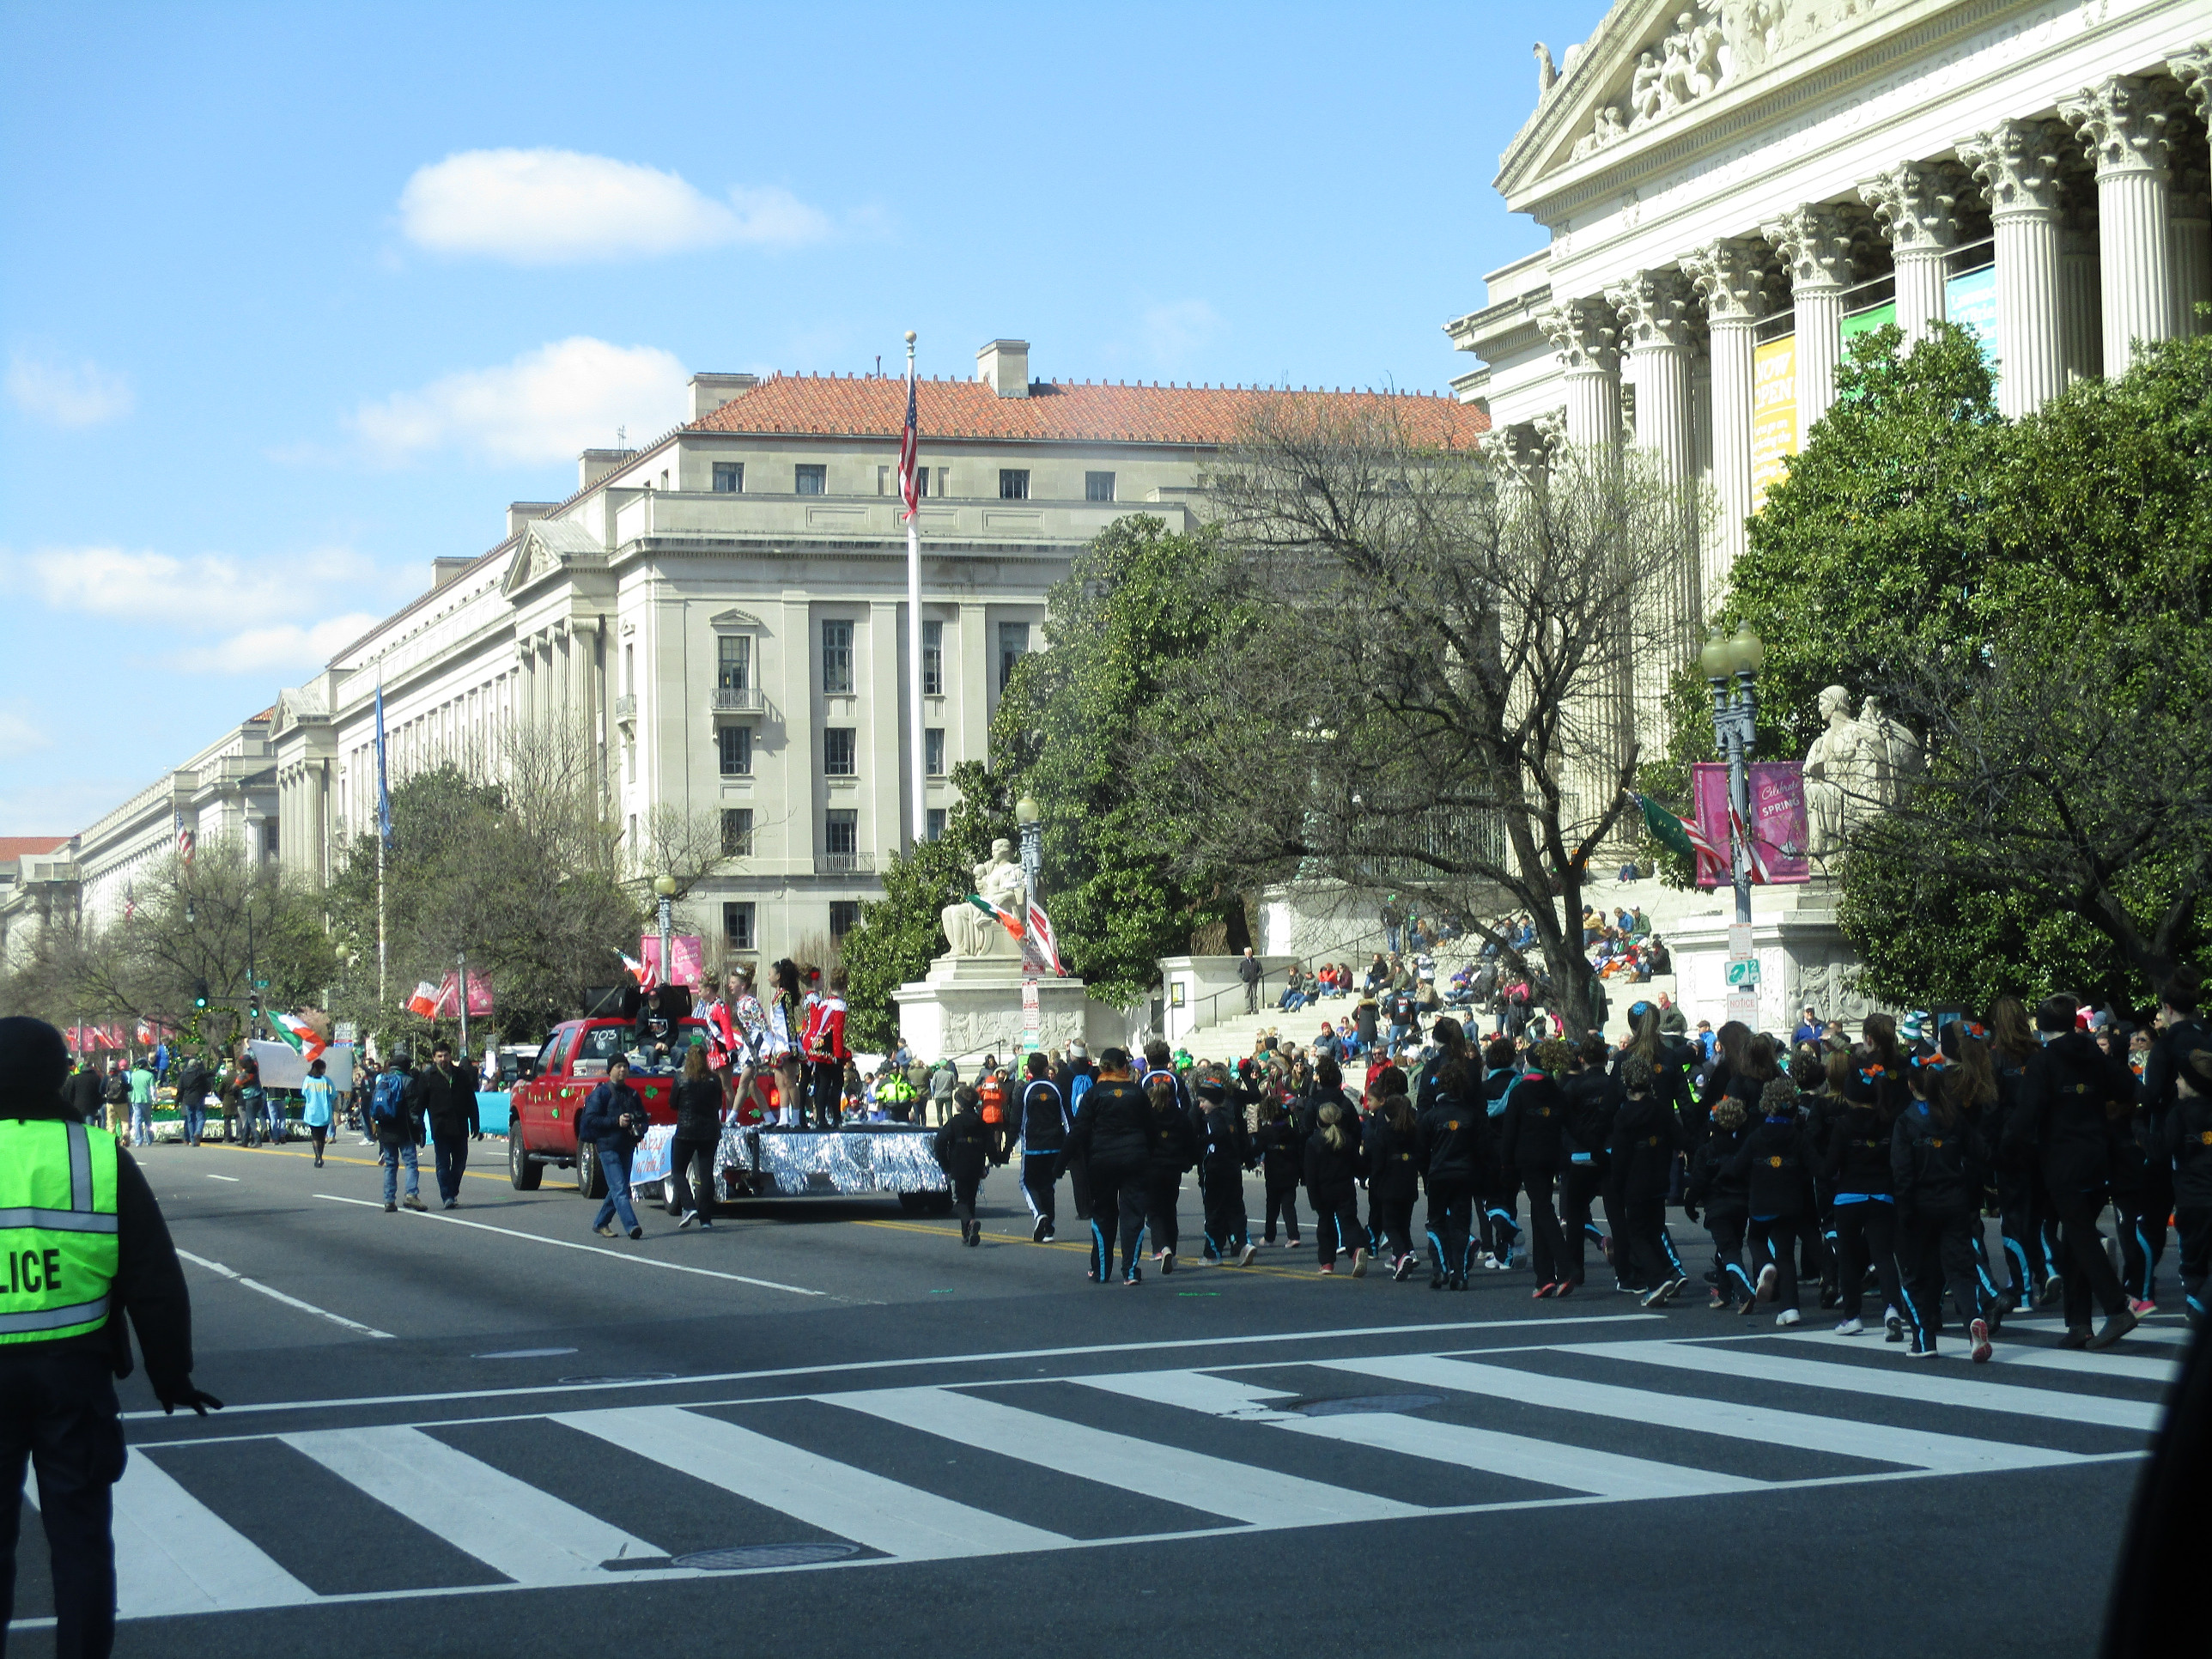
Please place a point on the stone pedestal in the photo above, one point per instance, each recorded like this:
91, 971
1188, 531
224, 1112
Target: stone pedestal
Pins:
970, 1006
1803, 957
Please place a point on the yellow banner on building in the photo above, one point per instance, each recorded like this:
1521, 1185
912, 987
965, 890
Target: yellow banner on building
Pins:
1773, 414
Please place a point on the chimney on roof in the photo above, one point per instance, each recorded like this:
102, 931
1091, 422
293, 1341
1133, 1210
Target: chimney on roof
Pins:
710, 391
594, 464
443, 571
1003, 366
519, 513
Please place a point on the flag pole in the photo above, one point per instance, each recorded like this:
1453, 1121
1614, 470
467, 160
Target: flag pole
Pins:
920, 825
383, 835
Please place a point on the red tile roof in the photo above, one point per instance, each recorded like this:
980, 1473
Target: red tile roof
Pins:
20, 847
874, 406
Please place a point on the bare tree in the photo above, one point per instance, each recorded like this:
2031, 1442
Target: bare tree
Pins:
1428, 682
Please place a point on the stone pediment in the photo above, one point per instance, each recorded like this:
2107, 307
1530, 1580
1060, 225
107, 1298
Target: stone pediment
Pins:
733, 619
547, 547
1653, 65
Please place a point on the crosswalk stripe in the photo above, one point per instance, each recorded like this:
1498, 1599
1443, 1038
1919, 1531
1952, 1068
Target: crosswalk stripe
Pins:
1938, 1390
531, 1536
2179, 1335
173, 1554
1573, 1468
2078, 1363
1948, 1453
1193, 1480
853, 1503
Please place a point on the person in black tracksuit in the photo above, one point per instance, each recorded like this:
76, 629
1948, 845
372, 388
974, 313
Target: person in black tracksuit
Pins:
2063, 1103
1114, 1129
1863, 1196
1281, 1150
1533, 1148
1040, 1128
1393, 1149
1725, 1199
1453, 1137
2181, 1030
962, 1145
1932, 1160
1175, 1150
2023, 1206
1498, 1199
1776, 1165
1593, 1097
2188, 1149
1224, 1148
1333, 1165
1646, 1135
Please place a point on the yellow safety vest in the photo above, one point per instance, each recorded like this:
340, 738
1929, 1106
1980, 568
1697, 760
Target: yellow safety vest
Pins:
58, 1229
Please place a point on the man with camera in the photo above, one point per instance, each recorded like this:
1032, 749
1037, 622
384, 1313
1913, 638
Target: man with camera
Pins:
613, 1119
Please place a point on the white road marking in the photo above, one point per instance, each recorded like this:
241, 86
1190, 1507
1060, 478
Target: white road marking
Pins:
592, 1249
237, 1278
173, 1554
884, 1515
1216, 1485
1915, 1448
2078, 1362
217, 1177
530, 1536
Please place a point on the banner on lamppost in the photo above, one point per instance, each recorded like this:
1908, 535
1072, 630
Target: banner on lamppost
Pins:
1778, 821
687, 955
1774, 435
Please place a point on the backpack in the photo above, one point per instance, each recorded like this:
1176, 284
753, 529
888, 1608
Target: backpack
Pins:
384, 1105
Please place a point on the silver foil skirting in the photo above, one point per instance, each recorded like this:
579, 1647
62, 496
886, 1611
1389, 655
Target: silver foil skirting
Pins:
792, 1165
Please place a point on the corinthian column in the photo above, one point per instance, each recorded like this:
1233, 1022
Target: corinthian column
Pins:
2016, 163
1657, 323
2192, 213
1584, 335
1729, 277
1814, 243
2123, 123
1916, 203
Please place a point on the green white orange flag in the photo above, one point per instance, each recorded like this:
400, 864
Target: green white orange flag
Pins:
297, 1032
1006, 918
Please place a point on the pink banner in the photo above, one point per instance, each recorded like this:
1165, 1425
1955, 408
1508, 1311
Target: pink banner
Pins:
1777, 820
449, 996
688, 951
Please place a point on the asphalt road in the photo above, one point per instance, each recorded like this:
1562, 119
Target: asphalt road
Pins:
827, 1429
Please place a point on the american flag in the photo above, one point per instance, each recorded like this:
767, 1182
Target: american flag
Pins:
909, 481
184, 840
130, 903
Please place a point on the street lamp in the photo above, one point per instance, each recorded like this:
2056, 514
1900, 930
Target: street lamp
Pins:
1735, 713
666, 887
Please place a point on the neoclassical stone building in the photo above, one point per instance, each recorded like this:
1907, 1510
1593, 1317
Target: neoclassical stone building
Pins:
1732, 187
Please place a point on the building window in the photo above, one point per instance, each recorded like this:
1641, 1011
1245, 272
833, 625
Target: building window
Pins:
737, 832
933, 751
840, 752
630, 669
1013, 645
844, 917
810, 480
730, 477
841, 832
269, 838
936, 831
1013, 483
932, 659
1098, 486
737, 743
837, 657
734, 662
737, 925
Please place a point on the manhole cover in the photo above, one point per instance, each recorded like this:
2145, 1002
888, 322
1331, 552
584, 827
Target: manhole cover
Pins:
741, 1557
633, 1377
1368, 1402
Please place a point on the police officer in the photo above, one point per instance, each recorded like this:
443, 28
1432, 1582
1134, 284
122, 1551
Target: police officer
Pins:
83, 1241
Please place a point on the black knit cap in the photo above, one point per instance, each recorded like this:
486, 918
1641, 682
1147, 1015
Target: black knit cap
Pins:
34, 1062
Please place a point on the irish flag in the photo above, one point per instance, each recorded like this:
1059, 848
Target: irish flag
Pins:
1006, 918
1677, 834
297, 1032
425, 999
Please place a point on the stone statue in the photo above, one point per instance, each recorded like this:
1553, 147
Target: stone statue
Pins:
971, 932
1898, 745
1707, 58
1643, 91
1847, 775
1675, 88
1547, 75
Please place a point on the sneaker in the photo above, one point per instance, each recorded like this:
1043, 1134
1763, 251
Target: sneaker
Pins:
1749, 1306
1359, 1264
2141, 1306
452, 1204
1245, 1256
602, 1231
1051, 1232
1167, 1261
2114, 1328
1979, 1330
1787, 1317
318, 1163
637, 1232
1564, 1287
2053, 1288
975, 1234
1767, 1276
1921, 1348
1850, 1327
390, 1208
413, 1202
1329, 1267
690, 1220
2007, 1300
1458, 1281
2077, 1336
1656, 1297
1037, 1232
1402, 1268
1291, 1242
1716, 1302
1135, 1276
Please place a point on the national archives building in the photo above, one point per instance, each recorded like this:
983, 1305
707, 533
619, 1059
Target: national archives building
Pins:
1732, 190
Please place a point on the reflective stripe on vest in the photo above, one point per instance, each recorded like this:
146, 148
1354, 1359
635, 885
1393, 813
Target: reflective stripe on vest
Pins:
58, 1229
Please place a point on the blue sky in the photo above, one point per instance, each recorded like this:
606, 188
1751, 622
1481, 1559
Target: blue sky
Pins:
298, 299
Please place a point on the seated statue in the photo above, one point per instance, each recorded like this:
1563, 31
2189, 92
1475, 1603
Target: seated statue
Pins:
968, 931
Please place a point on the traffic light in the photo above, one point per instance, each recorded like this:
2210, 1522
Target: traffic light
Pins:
199, 993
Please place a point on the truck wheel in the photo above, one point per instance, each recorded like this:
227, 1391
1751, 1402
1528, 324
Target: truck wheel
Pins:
937, 1203
668, 1195
591, 1179
524, 1172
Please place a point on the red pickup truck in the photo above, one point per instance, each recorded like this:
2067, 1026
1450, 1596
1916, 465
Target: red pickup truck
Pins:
574, 1061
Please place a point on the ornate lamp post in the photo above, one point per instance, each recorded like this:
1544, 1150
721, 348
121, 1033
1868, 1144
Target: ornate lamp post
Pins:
1734, 714
1025, 814
664, 886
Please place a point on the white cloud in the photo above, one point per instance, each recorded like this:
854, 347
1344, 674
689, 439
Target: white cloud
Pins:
68, 395
18, 736
557, 207
545, 406
217, 614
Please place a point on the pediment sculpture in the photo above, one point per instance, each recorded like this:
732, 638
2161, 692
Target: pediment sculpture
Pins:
1704, 47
